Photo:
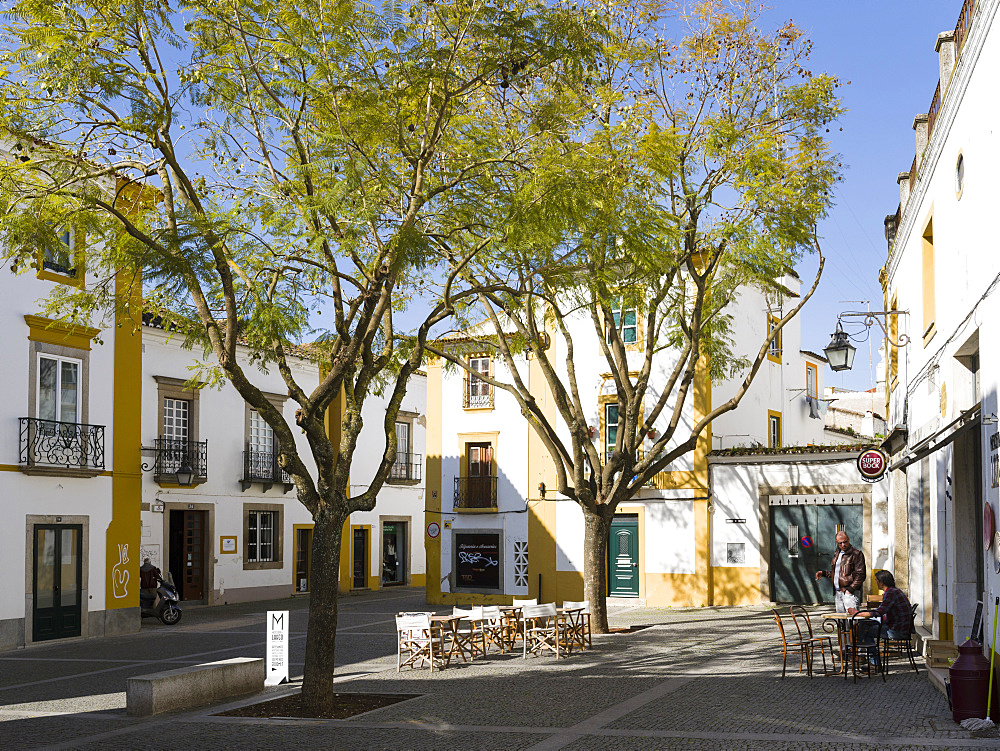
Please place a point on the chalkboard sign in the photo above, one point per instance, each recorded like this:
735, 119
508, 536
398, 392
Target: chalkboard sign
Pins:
477, 560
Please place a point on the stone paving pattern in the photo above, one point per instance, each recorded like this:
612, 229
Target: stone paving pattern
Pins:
695, 679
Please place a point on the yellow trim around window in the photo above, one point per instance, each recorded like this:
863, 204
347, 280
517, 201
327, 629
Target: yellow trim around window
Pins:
59, 333
771, 413
78, 279
777, 340
815, 370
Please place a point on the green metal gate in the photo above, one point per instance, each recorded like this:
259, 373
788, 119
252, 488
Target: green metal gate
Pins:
803, 541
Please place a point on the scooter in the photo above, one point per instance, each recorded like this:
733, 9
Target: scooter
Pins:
163, 605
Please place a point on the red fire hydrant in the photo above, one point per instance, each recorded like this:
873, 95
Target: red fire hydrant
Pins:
969, 675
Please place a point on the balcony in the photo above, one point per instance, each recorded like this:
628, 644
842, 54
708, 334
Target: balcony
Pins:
262, 467
174, 457
477, 395
69, 449
407, 469
475, 494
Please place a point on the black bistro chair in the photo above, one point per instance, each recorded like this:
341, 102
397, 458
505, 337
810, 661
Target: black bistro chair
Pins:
865, 647
902, 647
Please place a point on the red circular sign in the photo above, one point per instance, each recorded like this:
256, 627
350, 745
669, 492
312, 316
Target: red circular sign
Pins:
872, 464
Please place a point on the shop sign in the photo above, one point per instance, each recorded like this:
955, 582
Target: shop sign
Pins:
477, 560
872, 465
994, 460
277, 648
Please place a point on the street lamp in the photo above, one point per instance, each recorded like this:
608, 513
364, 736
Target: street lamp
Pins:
840, 352
185, 475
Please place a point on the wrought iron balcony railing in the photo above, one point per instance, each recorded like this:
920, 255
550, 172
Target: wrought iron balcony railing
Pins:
262, 467
173, 455
477, 396
475, 492
67, 445
407, 467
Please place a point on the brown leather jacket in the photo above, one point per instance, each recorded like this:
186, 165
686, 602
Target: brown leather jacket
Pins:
853, 572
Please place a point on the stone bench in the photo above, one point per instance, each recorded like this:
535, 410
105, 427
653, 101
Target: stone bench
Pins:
185, 688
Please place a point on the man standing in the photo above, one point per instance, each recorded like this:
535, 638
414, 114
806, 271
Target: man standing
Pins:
848, 572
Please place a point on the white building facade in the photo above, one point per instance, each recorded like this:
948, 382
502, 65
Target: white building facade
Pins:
942, 275
238, 532
70, 466
494, 533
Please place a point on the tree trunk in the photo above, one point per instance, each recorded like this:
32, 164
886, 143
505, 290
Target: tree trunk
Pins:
321, 634
595, 567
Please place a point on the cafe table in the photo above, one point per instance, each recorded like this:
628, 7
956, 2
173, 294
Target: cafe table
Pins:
447, 629
841, 623
571, 623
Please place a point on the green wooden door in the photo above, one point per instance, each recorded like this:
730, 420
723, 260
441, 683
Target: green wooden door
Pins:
803, 541
623, 556
56, 579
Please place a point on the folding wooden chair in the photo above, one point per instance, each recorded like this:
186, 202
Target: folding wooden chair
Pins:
542, 632
494, 627
415, 641
578, 623
470, 639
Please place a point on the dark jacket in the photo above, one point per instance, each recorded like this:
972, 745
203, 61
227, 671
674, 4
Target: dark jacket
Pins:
149, 575
853, 572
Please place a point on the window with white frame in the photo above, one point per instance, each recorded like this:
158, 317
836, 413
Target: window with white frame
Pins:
260, 536
626, 321
261, 437
812, 378
176, 418
479, 393
401, 467
58, 388
610, 429
774, 348
774, 431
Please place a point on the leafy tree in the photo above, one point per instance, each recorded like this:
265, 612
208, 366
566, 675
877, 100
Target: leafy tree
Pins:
700, 170
262, 163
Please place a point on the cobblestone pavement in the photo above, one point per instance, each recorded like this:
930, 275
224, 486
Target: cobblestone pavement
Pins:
704, 678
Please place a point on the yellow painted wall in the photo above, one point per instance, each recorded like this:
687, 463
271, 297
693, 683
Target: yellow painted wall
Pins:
123, 533
432, 491
736, 585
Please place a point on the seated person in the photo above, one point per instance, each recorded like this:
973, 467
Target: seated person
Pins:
894, 610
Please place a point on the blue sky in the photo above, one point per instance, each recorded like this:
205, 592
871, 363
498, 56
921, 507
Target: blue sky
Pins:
885, 48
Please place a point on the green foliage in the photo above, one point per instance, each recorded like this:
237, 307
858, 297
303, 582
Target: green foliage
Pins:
691, 167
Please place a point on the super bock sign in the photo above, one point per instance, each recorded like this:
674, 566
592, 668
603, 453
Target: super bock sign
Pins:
872, 465
277, 648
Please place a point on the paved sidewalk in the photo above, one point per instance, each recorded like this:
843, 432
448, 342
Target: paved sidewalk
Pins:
697, 679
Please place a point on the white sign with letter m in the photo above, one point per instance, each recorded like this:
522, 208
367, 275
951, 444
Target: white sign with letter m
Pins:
277, 648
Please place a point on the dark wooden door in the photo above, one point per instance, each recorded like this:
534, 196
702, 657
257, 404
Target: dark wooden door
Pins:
360, 558
393, 553
194, 555
803, 541
480, 460
57, 572
623, 556
303, 558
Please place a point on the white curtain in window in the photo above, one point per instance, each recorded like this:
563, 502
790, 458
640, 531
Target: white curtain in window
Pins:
58, 389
